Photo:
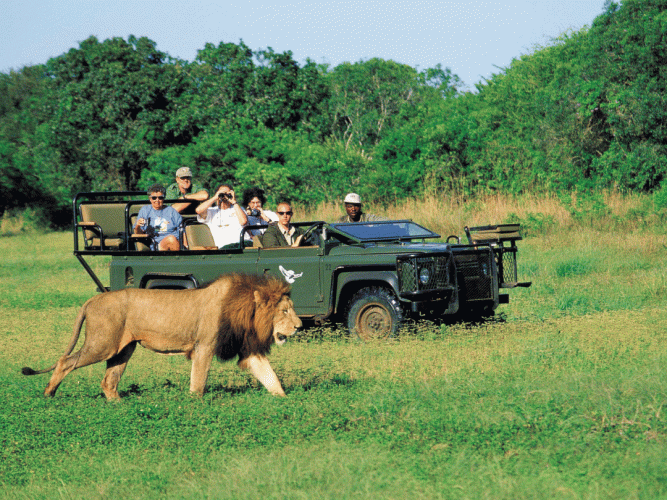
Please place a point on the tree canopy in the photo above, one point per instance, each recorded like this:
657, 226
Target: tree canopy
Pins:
585, 111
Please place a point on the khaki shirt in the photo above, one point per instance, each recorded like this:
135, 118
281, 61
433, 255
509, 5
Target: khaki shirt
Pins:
364, 218
173, 191
288, 234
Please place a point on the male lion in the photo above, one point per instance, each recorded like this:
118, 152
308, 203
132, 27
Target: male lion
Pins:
235, 315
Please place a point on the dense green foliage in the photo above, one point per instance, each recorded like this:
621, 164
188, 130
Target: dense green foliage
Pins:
586, 111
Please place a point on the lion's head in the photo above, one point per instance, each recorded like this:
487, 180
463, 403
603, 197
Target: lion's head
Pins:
285, 320
257, 312
274, 311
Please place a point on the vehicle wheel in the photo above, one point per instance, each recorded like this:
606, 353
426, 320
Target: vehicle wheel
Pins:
374, 313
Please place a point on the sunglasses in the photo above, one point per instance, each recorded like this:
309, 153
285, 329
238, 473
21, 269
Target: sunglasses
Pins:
157, 197
285, 213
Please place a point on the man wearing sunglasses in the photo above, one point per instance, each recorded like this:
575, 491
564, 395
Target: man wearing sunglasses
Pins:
162, 223
282, 233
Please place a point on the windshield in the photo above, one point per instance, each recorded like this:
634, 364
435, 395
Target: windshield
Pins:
385, 230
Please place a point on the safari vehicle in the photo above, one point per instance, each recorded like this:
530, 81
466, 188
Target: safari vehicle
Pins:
368, 275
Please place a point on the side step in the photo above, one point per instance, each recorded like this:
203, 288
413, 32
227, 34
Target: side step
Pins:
515, 284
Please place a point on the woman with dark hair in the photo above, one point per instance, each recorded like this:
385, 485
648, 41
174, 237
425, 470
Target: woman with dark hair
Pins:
253, 202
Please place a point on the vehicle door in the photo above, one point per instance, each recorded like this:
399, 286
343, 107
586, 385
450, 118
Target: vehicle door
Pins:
300, 267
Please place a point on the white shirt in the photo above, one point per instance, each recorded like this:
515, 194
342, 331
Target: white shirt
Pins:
224, 224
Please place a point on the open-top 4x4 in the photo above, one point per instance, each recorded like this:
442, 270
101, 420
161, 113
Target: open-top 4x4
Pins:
370, 275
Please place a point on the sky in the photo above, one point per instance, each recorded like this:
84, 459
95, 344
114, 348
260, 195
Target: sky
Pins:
474, 38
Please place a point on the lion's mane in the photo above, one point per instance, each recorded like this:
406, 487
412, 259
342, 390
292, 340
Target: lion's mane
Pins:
245, 325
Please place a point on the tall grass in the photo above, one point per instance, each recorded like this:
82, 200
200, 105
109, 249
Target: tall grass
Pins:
13, 223
609, 212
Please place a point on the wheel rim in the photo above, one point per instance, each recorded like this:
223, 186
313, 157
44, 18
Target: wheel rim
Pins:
373, 321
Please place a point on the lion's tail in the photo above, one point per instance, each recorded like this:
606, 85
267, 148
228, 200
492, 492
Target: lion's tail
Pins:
26, 370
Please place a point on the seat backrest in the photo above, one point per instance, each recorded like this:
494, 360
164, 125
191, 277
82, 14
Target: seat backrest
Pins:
109, 218
494, 234
199, 237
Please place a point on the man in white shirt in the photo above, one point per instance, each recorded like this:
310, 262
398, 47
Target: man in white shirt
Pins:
223, 216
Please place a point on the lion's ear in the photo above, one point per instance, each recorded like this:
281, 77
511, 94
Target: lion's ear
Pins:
258, 298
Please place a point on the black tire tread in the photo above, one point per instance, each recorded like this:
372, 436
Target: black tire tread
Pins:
383, 295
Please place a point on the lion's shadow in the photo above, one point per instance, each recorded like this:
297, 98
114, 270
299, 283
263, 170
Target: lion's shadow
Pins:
315, 383
220, 389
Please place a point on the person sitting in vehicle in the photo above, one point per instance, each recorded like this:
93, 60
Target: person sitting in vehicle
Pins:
354, 213
282, 233
184, 188
161, 223
223, 216
253, 201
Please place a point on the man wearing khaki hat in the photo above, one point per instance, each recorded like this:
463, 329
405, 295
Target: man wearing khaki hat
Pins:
353, 208
184, 188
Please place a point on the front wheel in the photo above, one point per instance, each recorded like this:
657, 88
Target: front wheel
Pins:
374, 313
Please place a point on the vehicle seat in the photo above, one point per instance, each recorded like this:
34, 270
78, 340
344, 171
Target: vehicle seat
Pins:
141, 242
103, 224
199, 237
493, 234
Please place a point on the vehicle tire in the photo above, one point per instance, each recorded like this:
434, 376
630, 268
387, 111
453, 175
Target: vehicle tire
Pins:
374, 313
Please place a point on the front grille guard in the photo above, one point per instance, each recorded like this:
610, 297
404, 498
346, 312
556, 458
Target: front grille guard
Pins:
425, 273
476, 269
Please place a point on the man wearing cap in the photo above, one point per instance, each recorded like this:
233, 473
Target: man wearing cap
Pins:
353, 208
184, 188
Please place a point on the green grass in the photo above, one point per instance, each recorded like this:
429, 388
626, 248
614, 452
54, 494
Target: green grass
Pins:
562, 397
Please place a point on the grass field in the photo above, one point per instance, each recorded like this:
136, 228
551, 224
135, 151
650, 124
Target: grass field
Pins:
562, 396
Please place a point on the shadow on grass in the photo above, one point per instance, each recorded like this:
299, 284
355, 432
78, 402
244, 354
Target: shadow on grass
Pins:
220, 389
315, 383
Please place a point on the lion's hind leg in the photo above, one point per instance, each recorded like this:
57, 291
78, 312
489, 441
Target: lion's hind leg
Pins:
65, 364
259, 366
87, 355
115, 368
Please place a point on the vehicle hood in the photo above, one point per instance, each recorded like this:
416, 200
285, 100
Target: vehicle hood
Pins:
391, 248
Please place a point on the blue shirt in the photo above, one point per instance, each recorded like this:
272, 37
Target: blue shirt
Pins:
165, 222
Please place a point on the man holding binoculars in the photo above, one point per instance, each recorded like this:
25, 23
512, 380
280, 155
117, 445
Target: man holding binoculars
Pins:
223, 216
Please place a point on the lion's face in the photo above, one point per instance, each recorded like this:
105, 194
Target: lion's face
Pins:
285, 320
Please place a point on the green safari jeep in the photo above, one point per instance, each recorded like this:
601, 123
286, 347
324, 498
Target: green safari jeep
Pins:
368, 275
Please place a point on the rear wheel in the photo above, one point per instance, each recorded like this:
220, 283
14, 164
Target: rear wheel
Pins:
374, 313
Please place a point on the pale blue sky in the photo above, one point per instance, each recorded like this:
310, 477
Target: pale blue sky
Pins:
472, 37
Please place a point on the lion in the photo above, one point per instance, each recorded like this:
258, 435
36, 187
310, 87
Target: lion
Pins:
236, 315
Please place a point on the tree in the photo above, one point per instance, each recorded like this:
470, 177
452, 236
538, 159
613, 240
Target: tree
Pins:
365, 96
113, 101
626, 55
218, 86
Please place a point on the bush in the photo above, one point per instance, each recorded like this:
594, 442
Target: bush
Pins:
15, 222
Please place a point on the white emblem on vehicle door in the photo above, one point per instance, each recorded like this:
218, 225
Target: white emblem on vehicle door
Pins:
290, 276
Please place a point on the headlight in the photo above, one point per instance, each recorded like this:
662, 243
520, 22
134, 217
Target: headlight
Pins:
424, 275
